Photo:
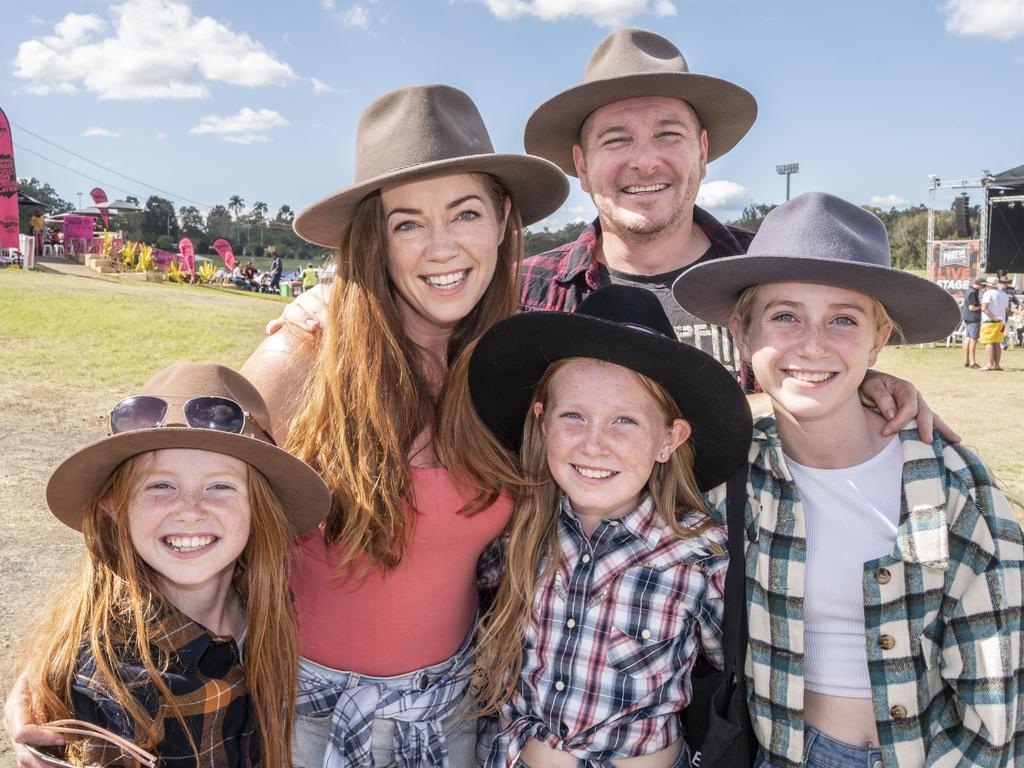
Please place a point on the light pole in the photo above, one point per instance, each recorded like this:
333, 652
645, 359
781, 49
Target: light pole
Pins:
787, 170
79, 200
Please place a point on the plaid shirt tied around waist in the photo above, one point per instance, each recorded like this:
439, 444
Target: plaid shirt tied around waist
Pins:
418, 714
942, 612
207, 680
615, 630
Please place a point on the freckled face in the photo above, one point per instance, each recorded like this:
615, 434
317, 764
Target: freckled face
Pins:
443, 236
604, 432
189, 518
810, 346
642, 161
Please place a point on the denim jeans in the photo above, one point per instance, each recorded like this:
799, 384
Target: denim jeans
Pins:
312, 734
821, 751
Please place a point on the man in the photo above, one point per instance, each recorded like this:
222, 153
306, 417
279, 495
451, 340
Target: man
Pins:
972, 321
639, 133
275, 272
994, 304
309, 277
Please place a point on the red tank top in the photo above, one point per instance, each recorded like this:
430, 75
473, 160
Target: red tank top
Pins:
414, 616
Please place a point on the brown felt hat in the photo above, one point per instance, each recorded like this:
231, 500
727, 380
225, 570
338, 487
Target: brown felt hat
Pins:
82, 475
631, 63
422, 131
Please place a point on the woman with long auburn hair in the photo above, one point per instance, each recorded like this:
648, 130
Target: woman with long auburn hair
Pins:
429, 242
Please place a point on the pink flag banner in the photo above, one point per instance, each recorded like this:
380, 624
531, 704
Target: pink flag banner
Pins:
9, 230
99, 196
188, 256
223, 249
163, 258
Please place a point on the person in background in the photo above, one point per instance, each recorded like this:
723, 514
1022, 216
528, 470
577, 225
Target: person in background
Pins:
971, 313
994, 304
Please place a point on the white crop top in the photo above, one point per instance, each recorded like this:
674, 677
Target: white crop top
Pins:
851, 518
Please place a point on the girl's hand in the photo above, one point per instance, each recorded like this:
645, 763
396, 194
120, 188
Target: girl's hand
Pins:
899, 402
308, 312
22, 727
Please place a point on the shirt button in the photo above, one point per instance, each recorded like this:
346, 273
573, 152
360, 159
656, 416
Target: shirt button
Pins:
559, 685
563, 730
585, 558
570, 623
646, 634
886, 642
877, 764
899, 712
614, 523
883, 576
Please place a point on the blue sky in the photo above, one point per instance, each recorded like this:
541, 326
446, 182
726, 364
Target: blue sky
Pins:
204, 99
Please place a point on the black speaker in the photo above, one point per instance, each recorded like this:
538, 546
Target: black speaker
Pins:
1005, 245
962, 216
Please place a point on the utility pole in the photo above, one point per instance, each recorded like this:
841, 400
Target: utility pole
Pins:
787, 170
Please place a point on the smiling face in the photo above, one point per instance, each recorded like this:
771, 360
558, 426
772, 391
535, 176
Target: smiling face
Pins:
642, 161
189, 520
603, 432
442, 241
810, 346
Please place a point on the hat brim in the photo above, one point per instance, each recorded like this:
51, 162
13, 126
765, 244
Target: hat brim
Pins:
725, 110
513, 355
923, 311
538, 187
81, 476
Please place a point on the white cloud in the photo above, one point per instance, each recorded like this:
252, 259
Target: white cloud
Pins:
356, 16
359, 15
605, 13
886, 202
319, 86
41, 89
156, 49
999, 19
247, 127
97, 131
160, 136
723, 195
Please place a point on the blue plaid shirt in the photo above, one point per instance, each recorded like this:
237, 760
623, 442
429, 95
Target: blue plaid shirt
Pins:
942, 611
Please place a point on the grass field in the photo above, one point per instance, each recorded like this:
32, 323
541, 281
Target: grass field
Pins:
113, 334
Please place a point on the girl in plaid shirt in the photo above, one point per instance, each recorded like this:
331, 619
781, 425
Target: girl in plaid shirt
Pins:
614, 574
883, 573
177, 635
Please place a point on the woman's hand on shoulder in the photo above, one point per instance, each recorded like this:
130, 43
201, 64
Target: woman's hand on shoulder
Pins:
307, 312
23, 728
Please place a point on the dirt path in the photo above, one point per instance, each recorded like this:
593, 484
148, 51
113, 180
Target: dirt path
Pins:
39, 424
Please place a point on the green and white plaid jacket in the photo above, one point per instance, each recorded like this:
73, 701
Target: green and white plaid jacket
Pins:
942, 612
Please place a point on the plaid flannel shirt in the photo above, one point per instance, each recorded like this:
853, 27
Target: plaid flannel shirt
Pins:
208, 683
942, 611
559, 279
615, 630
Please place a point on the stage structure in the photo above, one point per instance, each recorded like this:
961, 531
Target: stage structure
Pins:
1001, 225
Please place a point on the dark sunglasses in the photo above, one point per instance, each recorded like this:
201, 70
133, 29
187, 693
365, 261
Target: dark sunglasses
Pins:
206, 412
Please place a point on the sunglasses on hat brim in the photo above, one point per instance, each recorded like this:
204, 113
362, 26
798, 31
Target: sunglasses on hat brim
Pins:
221, 414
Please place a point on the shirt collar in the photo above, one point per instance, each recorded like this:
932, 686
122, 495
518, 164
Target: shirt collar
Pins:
643, 523
923, 534
184, 639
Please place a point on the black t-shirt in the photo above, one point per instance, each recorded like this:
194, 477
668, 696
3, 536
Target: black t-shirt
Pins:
969, 315
713, 339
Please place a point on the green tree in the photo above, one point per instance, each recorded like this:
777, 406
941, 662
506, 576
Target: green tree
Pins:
752, 216
159, 219
191, 221
285, 214
45, 194
218, 223
545, 240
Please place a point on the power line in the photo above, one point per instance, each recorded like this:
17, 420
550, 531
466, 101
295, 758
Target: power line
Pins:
109, 170
69, 168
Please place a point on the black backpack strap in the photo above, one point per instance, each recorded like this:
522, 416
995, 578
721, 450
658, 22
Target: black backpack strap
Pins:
734, 631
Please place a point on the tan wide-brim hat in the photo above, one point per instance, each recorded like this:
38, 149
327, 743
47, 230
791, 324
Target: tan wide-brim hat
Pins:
424, 131
630, 63
82, 475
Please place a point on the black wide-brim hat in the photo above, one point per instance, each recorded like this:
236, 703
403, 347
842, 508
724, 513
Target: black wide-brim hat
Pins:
626, 326
820, 238
80, 477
